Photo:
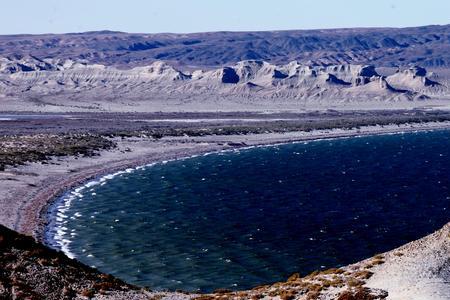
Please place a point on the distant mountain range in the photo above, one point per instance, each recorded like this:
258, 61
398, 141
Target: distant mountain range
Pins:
294, 70
427, 46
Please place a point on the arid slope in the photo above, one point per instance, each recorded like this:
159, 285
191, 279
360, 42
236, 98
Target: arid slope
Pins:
428, 46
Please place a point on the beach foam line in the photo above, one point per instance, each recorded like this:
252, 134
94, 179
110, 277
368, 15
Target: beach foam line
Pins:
61, 238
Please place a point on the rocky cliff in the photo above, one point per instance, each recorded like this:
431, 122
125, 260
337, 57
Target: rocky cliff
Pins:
30, 78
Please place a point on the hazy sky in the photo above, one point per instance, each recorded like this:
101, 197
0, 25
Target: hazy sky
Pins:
43, 16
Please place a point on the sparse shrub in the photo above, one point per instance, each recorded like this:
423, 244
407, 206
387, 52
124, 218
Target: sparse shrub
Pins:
204, 297
326, 283
360, 294
222, 291
287, 295
377, 262
337, 282
294, 277
259, 287
353, 282
364, 274
89, 293
315, 273
314, 287
332, 271
103, 286
312, 295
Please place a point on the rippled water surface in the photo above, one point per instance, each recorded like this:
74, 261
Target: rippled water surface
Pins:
239, 219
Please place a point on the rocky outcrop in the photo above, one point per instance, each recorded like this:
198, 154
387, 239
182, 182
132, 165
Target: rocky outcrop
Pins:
162, 71
415, 78
30, 77
228, 75
33, 64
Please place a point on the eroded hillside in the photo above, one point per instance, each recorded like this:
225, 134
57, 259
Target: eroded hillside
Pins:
428, 46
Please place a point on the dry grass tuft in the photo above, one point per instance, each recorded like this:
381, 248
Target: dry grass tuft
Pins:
89, 293
364, 274
287, 295
294, 277
332, 271
222, 291
379, 256
205, 297
353, 282
359, 294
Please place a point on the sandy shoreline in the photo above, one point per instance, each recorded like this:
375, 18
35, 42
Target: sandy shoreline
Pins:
39, 185
29, 190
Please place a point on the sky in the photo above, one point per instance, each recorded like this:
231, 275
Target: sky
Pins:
150, 16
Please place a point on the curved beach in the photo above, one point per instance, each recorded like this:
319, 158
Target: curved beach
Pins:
38, 185
42, 183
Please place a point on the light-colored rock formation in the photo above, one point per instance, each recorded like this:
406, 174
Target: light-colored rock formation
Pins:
57, 81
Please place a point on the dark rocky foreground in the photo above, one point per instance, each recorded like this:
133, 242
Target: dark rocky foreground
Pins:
30, 270
427, 46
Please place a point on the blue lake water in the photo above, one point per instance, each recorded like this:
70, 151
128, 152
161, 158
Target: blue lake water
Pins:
239, 219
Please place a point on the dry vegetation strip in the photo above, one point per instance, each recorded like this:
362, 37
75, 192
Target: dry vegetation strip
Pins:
18, 150
335, 283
